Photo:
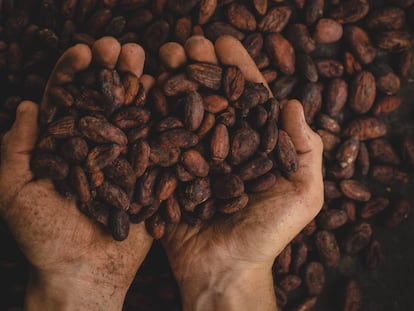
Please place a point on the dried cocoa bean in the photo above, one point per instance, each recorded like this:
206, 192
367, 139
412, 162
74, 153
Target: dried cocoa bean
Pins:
328, 248
119, 224
262, 183
155, 226
366, 128
286, 153
207, 75
398, 212
101, 156
114, 196
234, 205
355, 190
244, 143
388, 175
314, 278
358, 238
101, 131
352, 297
276, 19
50, 166
193, 111
332, 219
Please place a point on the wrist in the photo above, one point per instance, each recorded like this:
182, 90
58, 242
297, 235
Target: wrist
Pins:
68, 291
235, 289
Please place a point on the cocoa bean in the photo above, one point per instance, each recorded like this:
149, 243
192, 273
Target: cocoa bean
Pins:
348, 152
206, 210
290, 282
386, 105
314, 278
131, 117
231, 206
350, 11
381, 151
283, 261
276, 19
389, 18
193, 111
327, 31
281, 52
207, 125
233, 83
155, 226
388, 175
398, 212
63, 128
286, 153
360, 44
177, 138
119, 224
394, 41
215, 103
195, 193
194, 163
262, 183
244, 143
358, 238
172, 211
300, 38
145, 191
114, 196
101, 131
121, 173
179, 84
50, 166
355, 190
366, 128
240, 17
328, 248
352, 296
207, 75
101, 156
255, 168
332, 219
373, 207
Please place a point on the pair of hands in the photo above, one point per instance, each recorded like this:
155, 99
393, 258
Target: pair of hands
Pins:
225, 265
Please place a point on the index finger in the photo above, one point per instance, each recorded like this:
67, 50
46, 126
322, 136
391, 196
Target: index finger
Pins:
231, 52
74, 60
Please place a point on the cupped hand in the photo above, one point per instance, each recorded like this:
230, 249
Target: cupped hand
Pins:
226, 264
75, 263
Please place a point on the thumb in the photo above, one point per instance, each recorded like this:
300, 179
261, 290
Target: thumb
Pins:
309, 148
18, 144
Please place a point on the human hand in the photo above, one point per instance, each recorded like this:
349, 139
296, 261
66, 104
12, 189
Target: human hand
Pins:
226, 264
75, 264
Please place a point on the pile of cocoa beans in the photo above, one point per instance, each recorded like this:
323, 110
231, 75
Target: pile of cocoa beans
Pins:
344, 59
205, 138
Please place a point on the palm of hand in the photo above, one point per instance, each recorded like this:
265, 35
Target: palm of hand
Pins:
53, 234
256, 235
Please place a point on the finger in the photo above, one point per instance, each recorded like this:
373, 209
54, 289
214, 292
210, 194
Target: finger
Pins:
131, 59
17, 147
105, 52
294, 123
74, 60
309, 147
148, 83
231, 52
200, 49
